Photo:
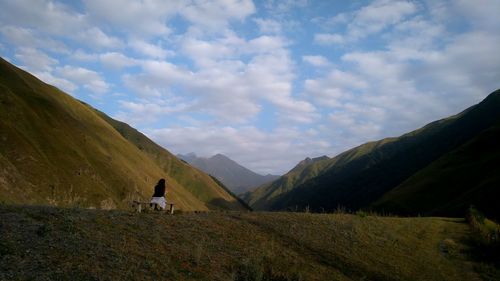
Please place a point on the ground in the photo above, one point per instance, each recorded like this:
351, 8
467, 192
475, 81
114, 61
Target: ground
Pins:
46, 243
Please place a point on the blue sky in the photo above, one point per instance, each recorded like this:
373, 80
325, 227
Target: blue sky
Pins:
266, 83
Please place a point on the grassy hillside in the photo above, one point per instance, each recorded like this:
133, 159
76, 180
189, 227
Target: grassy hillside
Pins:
199, 184
56, 150
468, 175
77, 244
263, 196
361, 176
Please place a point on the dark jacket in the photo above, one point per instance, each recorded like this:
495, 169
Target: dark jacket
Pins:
159, 191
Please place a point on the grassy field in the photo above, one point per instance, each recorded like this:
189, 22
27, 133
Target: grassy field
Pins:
46, 243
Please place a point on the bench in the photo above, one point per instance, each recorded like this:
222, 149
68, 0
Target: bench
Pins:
140, 205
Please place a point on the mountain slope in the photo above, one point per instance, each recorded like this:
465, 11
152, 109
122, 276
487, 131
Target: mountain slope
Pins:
56, 150
306, 169
236, 177
201, 185
359, 177
468, 175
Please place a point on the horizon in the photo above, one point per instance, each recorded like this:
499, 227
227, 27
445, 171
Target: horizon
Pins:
265, 83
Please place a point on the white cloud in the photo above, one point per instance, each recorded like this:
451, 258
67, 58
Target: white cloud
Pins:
81, 55
379, 15
335, 88
96, 38
85, 78
268, 26
59, 82
328, 39
147, 111
214, 15
116, 60
149, 50
263, 152
48, 16
481, 14
140, 18
318, 61
224, 86
368, 20
35, 60
284, 6
26, 38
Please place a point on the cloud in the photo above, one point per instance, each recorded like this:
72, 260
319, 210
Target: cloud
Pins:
48, 16
116, 60
214, 15
149, 50
263, 152
223, 86
318, 61
63, 84
328, 39
85, 78
284, 6
96, 38
334, 89
35, 60
140, 18
146, 111
367, 20
379, 15
25, 37
481, 14
268, 26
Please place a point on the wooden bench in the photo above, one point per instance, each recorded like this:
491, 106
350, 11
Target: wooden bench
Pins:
140, 205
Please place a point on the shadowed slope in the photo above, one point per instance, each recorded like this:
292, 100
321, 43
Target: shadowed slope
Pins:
360, 176
469, 175
262, 197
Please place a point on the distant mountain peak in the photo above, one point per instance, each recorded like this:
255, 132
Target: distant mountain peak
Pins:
220, 156
233, 175
309, 160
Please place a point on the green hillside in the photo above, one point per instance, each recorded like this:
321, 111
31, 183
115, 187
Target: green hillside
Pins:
357, 178
56, 150
469, 175
198, 183
45, 243
260, 198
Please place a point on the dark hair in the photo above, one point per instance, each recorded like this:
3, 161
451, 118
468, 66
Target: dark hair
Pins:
161, 182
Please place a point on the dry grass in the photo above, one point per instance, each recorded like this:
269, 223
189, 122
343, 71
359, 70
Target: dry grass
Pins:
42, 243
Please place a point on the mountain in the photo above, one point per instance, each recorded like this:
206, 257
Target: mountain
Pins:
453, 161
467, 175
59, 151
236, 177
305, 170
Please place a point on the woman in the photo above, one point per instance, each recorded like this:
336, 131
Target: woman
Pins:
159, 195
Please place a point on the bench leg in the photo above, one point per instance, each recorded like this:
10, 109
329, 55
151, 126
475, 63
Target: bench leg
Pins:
171, 209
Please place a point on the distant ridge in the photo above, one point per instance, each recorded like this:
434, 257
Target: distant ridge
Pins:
56, 150
439, 169
233, 175
306, 169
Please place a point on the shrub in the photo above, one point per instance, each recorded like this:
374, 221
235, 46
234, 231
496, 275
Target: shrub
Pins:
487, 231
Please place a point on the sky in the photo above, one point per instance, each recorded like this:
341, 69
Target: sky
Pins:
267, 83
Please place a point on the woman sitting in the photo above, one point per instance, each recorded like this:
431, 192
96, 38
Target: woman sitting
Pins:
159, 195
